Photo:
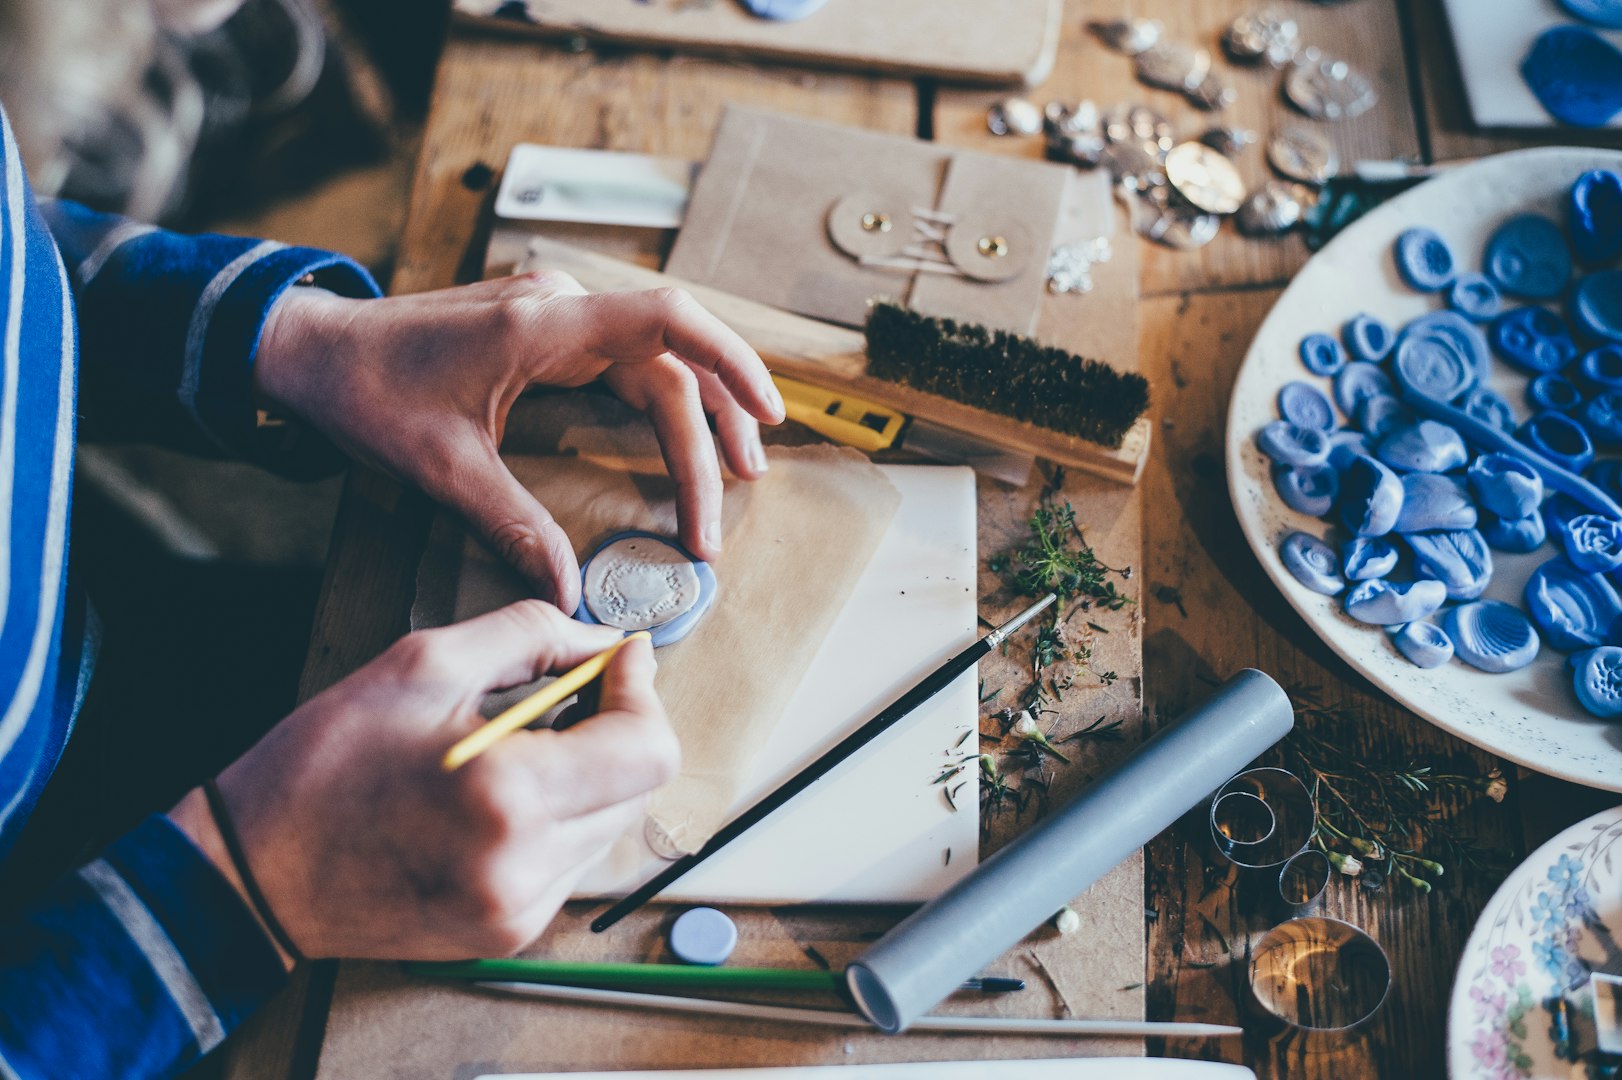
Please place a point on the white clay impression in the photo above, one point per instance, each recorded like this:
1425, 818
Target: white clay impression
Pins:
638, 583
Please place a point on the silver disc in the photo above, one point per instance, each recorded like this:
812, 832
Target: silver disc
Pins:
1228, 140
637, 583
1213, 93
1129, 36
1205, 178
1172, 65
1262, 36
1014, 116
1303, 154
1328, 89
1133, 166
1274, 208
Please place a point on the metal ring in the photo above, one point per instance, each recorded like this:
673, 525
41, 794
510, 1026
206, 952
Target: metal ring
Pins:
1302, 881
1239, 819
1321, 978
1288, 800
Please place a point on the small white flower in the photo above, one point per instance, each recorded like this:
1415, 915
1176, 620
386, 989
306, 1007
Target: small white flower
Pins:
1025, 727
1067, 921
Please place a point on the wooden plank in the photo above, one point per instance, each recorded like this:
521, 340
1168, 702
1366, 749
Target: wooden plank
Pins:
1366, 34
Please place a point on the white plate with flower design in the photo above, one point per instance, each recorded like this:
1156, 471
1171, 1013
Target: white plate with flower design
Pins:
1530, 716
1557, 918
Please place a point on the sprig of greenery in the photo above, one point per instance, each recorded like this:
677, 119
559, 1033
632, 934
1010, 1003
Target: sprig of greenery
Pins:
1056, 558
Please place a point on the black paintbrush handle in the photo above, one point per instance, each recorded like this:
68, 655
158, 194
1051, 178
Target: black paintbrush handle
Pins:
931, 685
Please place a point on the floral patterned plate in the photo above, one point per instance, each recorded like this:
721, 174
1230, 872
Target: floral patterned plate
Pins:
1556, 918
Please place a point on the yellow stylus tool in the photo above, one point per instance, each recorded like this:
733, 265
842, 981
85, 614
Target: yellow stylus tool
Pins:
535, 706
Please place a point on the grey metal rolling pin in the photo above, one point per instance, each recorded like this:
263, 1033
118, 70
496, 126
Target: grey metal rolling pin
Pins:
916, 965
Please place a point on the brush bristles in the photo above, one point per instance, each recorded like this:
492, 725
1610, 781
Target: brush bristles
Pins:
1004, 373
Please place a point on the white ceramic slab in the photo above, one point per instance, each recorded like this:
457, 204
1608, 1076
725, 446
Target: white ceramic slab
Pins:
1491, 38
1530, 716
1140, 1068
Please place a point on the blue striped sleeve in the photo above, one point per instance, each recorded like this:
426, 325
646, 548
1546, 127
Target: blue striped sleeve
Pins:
135, 965
169, 325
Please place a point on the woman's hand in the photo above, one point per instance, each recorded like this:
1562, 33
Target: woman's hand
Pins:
365, 847
420, 386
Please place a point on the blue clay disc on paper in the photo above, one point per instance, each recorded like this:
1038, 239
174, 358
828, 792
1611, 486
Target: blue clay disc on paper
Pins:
1459, 559
1425, 446
1553, 391
1424, 260
1514, 535
1533, 339
1576, 75
1322, 354
1572, 610
1489, 407
1602, 367
1491, 635
1345, 444
1596, 305
1367, 338
703, 936
1505, 484
1370, 497
1307, 489
1304, 405
1379, 414
1431, 502
1528, 256
1560, 439
1597, 678
1312, 562
1425, 644
1357, 381
1606, 13
1602, 416
1365, 558
1593, 543
1475, 297
784, 10
642, 581
1289, 444
1594, 216
1387, 603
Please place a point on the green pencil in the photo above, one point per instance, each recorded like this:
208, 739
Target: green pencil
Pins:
630, 976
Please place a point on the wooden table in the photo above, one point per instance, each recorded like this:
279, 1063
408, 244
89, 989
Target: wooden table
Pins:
1207, 609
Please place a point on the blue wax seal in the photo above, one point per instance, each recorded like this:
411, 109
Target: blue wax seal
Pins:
703, 936
1576, 75
1367, 338
784, 10
1370, 497
1322, 354
1602, 416
1307, 489
1431, 502
1424, 260
1345, 444
1425, 446
1553, 391
1605, 474
1528, 256
1597, 677
1364, 558
1505, 484
1378, 414
1433, 364
1425, 644
636, 593
1594, 216
1288, 444
1459, 559
1359, 380
1602, 367
1533, 339
1514, 535
1490, 407
1572, 610
1476, 298
1593, 543
1606, 13
1596, 305
1560, 439
1388, 603
1491, 635
1458, 334
1312, 562
1304, 405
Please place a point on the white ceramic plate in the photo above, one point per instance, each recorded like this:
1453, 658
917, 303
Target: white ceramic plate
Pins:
1557, 917
1530, 716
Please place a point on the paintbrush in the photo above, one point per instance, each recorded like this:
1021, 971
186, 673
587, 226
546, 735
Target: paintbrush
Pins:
635, 976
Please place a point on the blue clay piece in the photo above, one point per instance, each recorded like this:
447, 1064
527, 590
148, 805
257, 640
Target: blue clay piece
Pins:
1558, 512
1596, 675
1605, 474
1514, 535
1594, 216
703, 936
1357, 381
1365, 558
1424, 260
1606, 13
1432, 365
1379, 414
1555, 392
1528, 256
1312, 562
1533, 339
1425, 644
1458, 559
784, 10
1475, 297
1505, 484
1602, 416
1602, 367
1573, 610
1593, 543
1367, 338
1386, 603
673, 630
1370, 497
1456, 334
1308, 489
1345, 444
1322, 354
1596, 305
1431, 502
1426, 446
1304, 405
1560, 439
1490, 407
1491, 635
1288, 444
1575, 74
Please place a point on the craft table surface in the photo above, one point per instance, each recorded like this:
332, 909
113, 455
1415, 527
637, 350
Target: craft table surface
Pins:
1206, 607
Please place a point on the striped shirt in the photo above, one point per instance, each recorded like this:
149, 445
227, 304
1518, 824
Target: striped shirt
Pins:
144, 959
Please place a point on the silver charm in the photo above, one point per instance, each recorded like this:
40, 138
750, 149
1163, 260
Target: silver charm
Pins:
1129, 36
1176, 224
1205, 178
1070, 265
1267, 37
1228, 140
1303, 154
1172, 65
1073, 133
1139, 124
1014, 116
1328, 89
1213, 93
1274, 208
1132, 166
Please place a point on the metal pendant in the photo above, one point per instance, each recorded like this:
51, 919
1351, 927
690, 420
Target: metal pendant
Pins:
1213, 93
1228, 140
1172, 65
1302, 154
1139, 124
1274, 208
1129, 36
1328, 89
1205, 178
1133, 166
1267, 37
1174, 222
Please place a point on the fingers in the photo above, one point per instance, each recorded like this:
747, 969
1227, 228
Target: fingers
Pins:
738, 431
516, 644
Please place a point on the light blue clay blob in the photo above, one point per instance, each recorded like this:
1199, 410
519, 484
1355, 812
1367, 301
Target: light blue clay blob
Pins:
1426, 446
1322, 354
1379, 413
1490, 407
1457, 336
1459, 559
1476, 298
1514, 535
1425, 644
672, 631
1491, 635
1560, 439
1431, 502
1386, 603
1367, 338
1597, 678
784, 10
1365, 558
1505, 484
1424, 260
703, 936
1573, 610
1358, 381
1288, 444
1433, 364
1304, 405
1370, 496
1307, 489
1312, 562
1593, 543
1345, 444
